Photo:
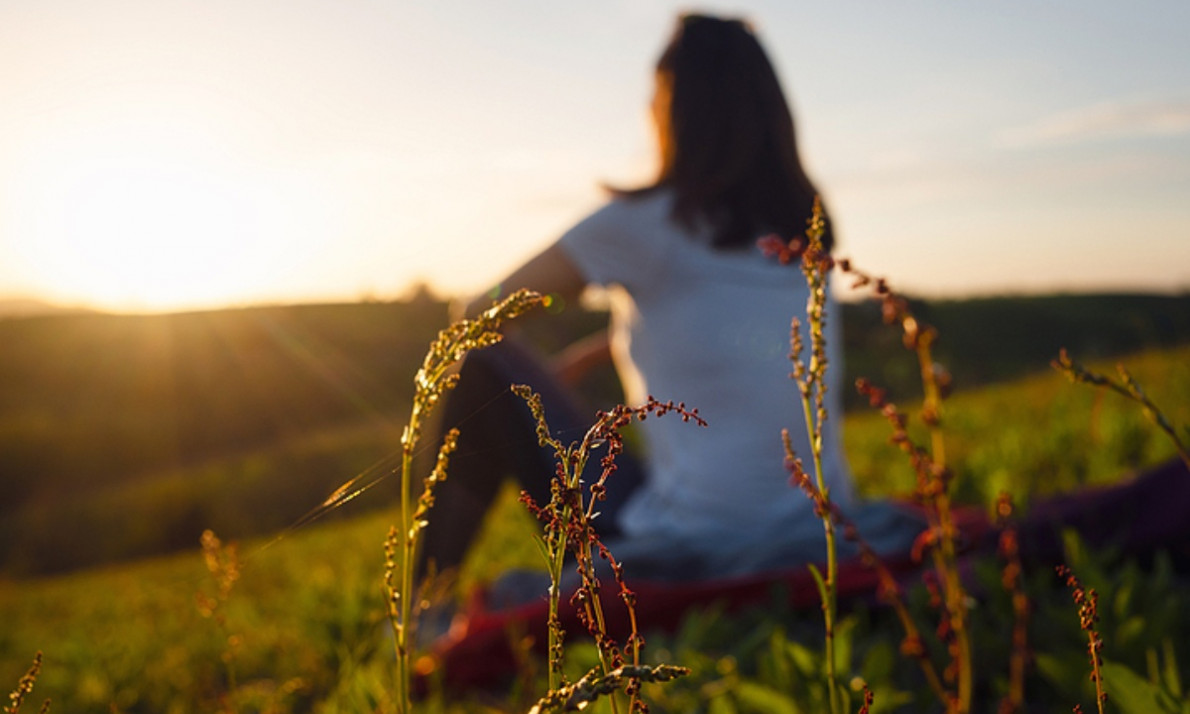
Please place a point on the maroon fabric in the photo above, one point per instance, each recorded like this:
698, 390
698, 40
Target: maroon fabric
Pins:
1141, 516
479, 653
1148, 513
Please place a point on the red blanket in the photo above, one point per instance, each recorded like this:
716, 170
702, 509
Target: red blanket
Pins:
478, 651
1140, 515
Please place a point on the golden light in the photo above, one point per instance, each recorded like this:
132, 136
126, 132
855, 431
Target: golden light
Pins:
141, 220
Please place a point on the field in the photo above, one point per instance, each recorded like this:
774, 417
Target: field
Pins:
304, 628
126, 436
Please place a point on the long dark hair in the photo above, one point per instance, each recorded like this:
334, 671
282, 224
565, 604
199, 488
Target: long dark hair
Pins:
726, 136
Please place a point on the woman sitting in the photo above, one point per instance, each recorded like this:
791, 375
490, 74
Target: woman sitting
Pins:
699, 315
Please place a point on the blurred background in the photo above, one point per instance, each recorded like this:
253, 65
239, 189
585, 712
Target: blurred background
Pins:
163, 156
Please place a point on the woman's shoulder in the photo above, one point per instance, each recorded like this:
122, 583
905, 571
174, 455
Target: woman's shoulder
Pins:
630, 219
627, 238
651, 206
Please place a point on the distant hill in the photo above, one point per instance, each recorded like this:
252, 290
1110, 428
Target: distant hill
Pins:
123, 435
201, 407
28, 307
984, 340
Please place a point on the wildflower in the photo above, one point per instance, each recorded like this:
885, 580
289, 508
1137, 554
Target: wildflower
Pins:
773, 246
1088, 614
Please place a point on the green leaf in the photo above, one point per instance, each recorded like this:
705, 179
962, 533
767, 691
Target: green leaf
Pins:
878, 664
804, 659
1122, 604
759, 698
722, 704
1060, 669
1130, 630
1173, 680
844, 635
544, 550
782, 672
819, 581
1133, 694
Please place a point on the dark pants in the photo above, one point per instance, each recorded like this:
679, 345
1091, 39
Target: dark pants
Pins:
1140, 517
497, 440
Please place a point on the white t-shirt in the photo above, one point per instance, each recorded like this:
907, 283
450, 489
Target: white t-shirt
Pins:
709, 328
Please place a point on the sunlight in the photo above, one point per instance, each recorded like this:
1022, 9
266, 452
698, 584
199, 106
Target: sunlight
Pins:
143, 222
152, 233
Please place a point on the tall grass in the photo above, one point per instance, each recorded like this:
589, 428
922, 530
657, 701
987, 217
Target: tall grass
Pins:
25, 688
947, 587
810, 376
1128, 387
432, 381
568, 520
929, 464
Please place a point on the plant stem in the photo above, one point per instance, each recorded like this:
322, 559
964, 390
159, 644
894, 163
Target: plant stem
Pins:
558, 550
431, 382
810, 378
405, 541
1129, 389
829, 596
955, 594
568, 526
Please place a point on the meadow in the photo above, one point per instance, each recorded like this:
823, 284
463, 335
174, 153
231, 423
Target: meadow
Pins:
305, 629
125, 436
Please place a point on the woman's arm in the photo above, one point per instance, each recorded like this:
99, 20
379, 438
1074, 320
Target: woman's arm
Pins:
550, 272
573, 363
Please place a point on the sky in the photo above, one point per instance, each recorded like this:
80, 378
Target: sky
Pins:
167, 155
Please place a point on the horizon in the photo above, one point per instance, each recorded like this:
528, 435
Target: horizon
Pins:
207, 155
22, 307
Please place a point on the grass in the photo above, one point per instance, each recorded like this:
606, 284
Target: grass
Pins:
309, 610
1037, 436
236, 493
131, 636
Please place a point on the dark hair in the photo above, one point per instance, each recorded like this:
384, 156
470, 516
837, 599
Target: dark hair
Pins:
726, 136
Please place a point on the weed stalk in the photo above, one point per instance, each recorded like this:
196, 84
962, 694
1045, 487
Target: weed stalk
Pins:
810, 376
1129, 388
1012, 578
433, 380
1088, 614
933, 481
25, 688
930, 465
223, 563
568, 520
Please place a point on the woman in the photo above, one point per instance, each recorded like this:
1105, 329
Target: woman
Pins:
698, 315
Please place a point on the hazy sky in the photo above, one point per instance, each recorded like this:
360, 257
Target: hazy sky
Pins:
158, 154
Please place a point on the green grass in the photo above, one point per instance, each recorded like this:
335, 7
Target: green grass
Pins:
1035, 436
131, 636
309, 608
260, 490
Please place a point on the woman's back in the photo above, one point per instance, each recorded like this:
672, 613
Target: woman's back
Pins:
709, 327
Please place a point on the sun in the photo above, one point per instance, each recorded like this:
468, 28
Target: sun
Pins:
138, 222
